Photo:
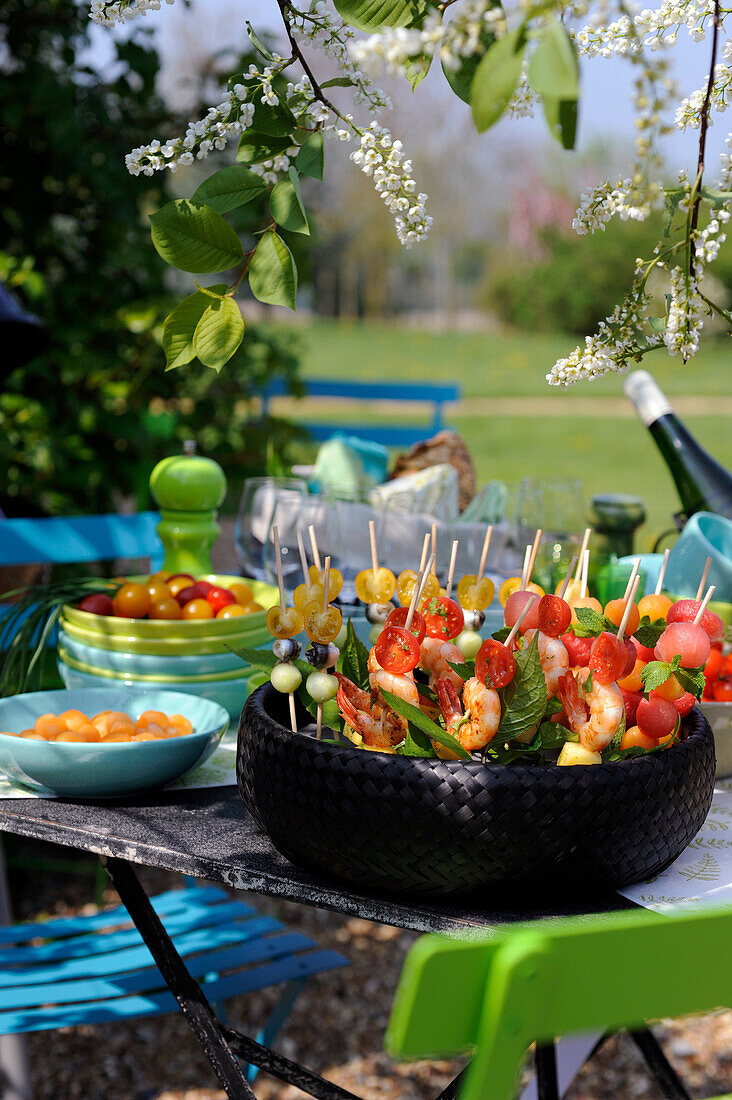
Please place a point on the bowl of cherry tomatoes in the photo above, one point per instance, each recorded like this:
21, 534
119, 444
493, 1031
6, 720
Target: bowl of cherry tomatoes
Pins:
716, 705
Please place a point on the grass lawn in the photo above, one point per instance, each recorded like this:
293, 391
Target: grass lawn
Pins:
608, 451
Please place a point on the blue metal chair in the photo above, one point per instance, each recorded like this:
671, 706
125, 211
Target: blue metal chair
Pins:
78, 975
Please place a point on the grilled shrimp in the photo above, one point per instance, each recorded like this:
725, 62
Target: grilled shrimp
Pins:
595, 713
554, 660
378, 725
434, 657
483, 712
401, 685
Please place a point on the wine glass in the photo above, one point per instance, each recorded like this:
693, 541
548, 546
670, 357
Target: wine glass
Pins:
259, 498
293, 516
558, 508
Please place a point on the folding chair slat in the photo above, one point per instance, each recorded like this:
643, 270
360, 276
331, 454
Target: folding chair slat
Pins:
137, 957
96, 1012
150, 979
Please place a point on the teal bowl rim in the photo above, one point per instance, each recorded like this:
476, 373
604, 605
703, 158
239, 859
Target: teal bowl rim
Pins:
159, 680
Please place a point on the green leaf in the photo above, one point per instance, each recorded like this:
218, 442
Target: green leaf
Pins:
310, 160
338, 82
461, 79
416, 69
502, 634
553, 70
218, 333
331, 714
561, 117
590, 623
273, 120
658, 324
415, 716
272, 272
416, 743
354, 659
464, 669
229, 188
524, 699
180, 325
552, 735
648, 632
286, 205
258, 44
496, 78
193, 237
369, 15
691, 679
654, 674
254, 147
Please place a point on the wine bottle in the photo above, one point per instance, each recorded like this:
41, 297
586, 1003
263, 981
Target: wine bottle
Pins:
702, 483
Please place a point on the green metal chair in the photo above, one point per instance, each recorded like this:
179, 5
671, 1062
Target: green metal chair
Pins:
493, 997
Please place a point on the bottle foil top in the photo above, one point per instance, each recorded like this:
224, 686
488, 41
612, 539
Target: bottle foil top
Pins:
649, 400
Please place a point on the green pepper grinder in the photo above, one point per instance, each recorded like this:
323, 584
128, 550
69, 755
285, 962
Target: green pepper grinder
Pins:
188, 489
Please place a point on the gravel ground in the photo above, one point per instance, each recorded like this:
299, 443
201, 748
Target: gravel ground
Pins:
336, 1027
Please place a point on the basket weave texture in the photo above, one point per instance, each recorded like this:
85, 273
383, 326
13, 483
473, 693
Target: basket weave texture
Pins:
439, 827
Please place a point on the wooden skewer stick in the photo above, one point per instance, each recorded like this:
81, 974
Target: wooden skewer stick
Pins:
710, 592
631, 578
326, 586
662, 573
434, 547
278, 562
581, 556
425, 551
484, 554
524, 571
372, 539
703, 581
419, 586
524, 612
534, 551
567, 579
293, 716
303, 558
585, 572
451, 570
629, 604
314, 547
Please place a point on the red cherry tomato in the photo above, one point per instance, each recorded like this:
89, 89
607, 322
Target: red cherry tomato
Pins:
726, 669
205, 586
555, 615
443, 618
579, 649
98, 604
396, 650
495, 665
656, 717
715, 663
191, 592
218, 597
685, 703
631, 699
608, 658
398, 617
722, 691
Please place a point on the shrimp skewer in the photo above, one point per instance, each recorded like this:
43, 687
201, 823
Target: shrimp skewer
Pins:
594, 713
401, 685
434, 658
379, 726
483, 712
554, 660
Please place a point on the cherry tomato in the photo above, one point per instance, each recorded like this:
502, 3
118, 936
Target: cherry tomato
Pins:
220, 597
159, 576
98, 604
178, 581
656, 717
685, 611
132, 601
690, 642
322, 626
397, 650
727, 666
375, 587
474, 595
608, 658
231, 611
579, 649
335, 584
515, 604
495, 665
555, 615
722, 691
205, 587
671, 690
631, 699
655, 607
197, 609
284, 624
635, 738
406, 582
166, 609
190, 592
443, 618
398, 617
685, 703
158, 590
614, 611
632, 681
513, 585
242, 593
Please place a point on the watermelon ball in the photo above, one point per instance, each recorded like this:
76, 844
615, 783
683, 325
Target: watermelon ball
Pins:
630, 657
685, 611
631, 700
656, 717
685, 703
578, 649
98, 604
643, 652
515, 605
690, 642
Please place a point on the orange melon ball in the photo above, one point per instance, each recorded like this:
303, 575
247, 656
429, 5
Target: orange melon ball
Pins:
73, 719
31, 735
88, 732
614, 611
180, 722
655, 607
48, 726
158, 717
118, 735
143, 737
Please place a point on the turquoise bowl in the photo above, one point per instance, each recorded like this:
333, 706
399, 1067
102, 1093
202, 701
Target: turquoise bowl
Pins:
229, 694
147, 664
95, 770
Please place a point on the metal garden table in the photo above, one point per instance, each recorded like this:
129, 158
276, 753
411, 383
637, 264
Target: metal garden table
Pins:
209, 834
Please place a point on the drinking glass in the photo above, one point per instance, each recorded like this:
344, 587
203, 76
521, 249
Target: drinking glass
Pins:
353, 518
558, 508
259, 498
294, 515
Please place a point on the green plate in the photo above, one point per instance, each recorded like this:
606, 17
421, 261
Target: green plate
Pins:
242, 673
164, 647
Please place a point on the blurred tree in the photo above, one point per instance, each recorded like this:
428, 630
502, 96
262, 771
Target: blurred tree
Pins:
82, 425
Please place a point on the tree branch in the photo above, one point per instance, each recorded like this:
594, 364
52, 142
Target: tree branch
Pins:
703, 127
285, 6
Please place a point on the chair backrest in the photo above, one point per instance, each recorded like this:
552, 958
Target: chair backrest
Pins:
534, 982
67, 539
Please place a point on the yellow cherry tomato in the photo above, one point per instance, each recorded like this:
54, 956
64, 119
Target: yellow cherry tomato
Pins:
655, 607
472, 595
406, 582
317, 576
307, 593
231, 611
513, 584
574, 589
132, 601
322, 626
242, 593
158, 591
166, 609
197, 609
375, 587
284, 624
160, 577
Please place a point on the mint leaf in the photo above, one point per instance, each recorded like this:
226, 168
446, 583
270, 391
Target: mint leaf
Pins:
502, 634
464, 669
415, 717
354, 659
649, 632
524, 699
614, 746
552, 735
590, 623
654, 674
587, 686
416, 743
691, 679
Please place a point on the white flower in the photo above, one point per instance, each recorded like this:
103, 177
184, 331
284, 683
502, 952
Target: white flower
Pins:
381, 157
221, 123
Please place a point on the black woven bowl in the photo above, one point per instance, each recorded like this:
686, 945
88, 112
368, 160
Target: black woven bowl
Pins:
437, 827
